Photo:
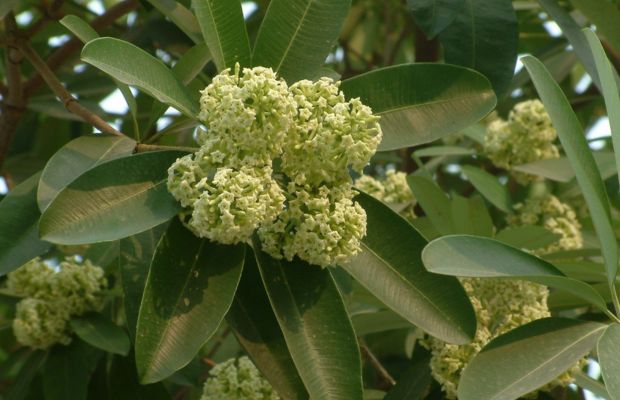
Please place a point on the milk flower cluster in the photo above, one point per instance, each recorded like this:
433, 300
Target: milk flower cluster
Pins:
51, 297
548, 211
276, 159
237, 380
500, 305
392, 189
526, 136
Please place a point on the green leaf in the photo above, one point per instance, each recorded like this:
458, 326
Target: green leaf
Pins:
257, 329
391, 269
180, 16
133, 190
77, 157
434, 202
576, 148
80, 28
365, 323
607, 348
470, 216
19, 216
484, 36
478, 257
125, 385
585, 382
433, 16
526, 358
189, 289
413, 384
136, 253
68, 370
605, 15
610, 90
315, 325
530, 237
560, 169
102, 333
224, 31
31, 366
134, 66
489, 187
410, 97
437, 151
297, 35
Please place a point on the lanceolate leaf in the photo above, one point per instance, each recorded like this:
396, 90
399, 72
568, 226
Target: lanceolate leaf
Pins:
102, 333
180, 16
77, 157
433, 16
134, 66
136, 253
257, 329
413, 99
574, 143
489, 187
526, 358
478, 257
189, 289
316, 326
223, 29
608, 346
529, 237
391, 269
434, 202
19, 237
605, 15
297, 35
484, 36
68, 371
114, 200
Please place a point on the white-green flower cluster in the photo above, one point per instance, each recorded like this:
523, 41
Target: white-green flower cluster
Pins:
392, 189
500, 305
276, 159
526, 136
51, 298
548, 211
237, 380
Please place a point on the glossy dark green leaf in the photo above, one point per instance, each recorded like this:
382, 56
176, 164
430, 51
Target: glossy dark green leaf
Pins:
114, 200
102, 333
19, 236
23, 381
488, 186
434, 202
390, 268
526, 358
433, 16
136, 253
411, 98
68, 371
478, 257
604, 15
224, 32
125, 385
529, 237
180, 16
608, 346
297, 35
415, 381
77, 157
576, 148
134, 66
189, 289
315, 325
257, 329
484, 36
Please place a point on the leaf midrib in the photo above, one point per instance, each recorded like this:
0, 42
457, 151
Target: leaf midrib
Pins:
294, 35
429, 103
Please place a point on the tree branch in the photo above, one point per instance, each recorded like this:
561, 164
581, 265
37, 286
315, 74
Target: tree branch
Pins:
61, 55
14, 102
57, 87
376, 364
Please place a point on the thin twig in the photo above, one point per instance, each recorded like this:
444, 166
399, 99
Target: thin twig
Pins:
65, 97
64, 52
14, 102
376, 364
142, 147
